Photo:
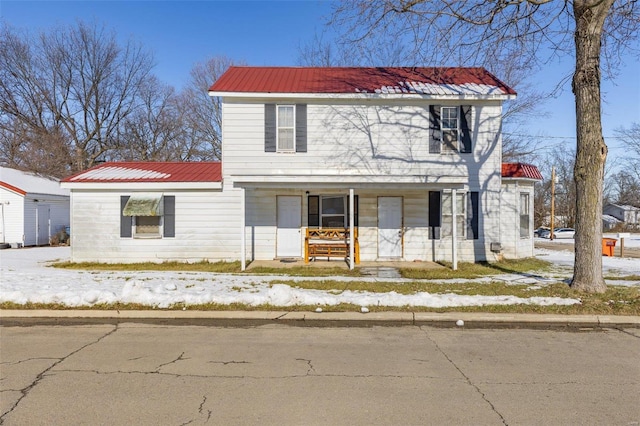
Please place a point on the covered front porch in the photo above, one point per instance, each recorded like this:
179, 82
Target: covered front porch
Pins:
384, 220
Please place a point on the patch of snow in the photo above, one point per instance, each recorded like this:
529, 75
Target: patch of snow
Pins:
25, 277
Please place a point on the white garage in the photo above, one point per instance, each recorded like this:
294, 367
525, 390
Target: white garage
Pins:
33, 209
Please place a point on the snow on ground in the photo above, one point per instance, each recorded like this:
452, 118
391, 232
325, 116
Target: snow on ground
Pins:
632, 242
25, 277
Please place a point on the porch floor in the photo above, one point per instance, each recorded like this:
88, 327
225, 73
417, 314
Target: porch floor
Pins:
339, 263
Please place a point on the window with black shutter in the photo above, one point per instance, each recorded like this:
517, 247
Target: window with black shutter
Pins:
285, 128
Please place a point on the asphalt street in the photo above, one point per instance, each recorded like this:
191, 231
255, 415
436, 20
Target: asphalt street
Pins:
146, 374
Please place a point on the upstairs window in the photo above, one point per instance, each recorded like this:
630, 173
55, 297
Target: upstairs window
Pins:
450, 129
286, 128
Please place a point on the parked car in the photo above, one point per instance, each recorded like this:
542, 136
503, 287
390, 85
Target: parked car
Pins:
539, 231
559, 233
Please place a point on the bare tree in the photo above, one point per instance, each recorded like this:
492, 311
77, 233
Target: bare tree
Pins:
202, 115
630, 137
517, 145
471, 32
32, 148
627, 188
74, 84
563, 160
154, 130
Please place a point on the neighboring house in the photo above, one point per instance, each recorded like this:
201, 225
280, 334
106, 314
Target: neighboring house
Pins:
33, 208
609, 222
413, 153
151, 212
516, 226
629, 215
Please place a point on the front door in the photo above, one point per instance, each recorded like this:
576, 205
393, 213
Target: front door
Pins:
42, 219
289, 238
389, 227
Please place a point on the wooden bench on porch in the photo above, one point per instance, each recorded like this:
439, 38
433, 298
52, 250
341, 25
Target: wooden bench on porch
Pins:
330, 242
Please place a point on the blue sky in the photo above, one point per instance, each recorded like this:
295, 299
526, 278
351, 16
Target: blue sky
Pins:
181, 33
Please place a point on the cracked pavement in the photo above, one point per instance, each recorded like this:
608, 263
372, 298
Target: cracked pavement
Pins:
274, 374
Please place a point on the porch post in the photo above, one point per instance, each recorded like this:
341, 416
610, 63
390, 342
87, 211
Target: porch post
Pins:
243, 238
454, 231
351, 223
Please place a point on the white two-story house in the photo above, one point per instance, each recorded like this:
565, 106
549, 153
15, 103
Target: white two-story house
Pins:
406, 160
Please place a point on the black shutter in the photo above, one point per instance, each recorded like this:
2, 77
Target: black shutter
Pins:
301, 128
313, 211
465, 128
355, 214
169, 216
355, 205
434, 214
472, 216
435, 132
125, 221
270, 128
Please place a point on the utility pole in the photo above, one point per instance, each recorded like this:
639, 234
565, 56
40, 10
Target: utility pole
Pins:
553, 200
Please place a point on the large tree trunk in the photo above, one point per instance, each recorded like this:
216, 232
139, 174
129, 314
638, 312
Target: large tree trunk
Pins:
591, 151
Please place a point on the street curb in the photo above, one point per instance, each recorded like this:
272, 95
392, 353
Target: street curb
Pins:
315, 319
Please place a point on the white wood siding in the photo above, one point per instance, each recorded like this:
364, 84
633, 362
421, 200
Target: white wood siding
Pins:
372, 139
206, 223
12, 216
369, 138
58, 215
261, 227
513, 246
19, 215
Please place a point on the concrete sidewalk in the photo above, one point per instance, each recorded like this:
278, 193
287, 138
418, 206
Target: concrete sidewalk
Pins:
315, 319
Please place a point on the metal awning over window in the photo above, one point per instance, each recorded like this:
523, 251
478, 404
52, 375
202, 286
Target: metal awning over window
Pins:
143, 205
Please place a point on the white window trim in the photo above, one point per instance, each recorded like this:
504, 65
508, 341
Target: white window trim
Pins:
443, 129
134, 229
462, 233
529, 226
278, 127
344, 208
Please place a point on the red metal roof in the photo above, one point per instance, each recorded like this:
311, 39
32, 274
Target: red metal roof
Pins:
150, 172
13, 188
353, 80
520, 170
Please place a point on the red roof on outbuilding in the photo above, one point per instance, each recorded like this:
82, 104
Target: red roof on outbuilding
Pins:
150, 172
351, 79
520, 170
12, 188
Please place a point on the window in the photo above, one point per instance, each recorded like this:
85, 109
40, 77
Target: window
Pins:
147, 226
330, 211
147, 216
447, 219
450, 129
525, 231
286, 128
467, 214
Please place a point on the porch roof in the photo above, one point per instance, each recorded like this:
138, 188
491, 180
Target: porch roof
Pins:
348, 181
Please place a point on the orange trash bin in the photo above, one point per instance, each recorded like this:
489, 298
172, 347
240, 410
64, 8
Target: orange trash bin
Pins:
608, 245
